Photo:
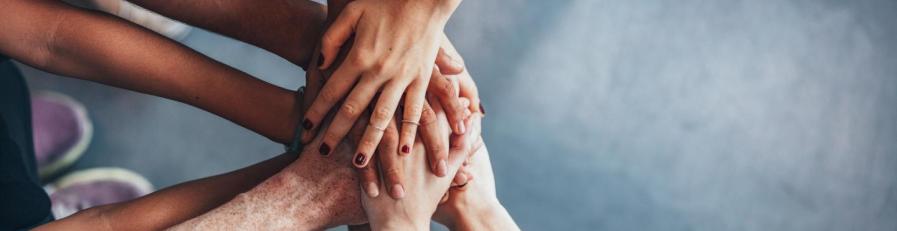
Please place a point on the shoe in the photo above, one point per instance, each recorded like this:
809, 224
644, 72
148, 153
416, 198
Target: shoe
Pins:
94, 187
61, 131
148, 19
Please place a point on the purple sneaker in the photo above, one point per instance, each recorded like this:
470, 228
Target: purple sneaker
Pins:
62, 131
94, 187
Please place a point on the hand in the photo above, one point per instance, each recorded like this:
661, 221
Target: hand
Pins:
413, 210
446, 85
474, 205
399, 62
459, 96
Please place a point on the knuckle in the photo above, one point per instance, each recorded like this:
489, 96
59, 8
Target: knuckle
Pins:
329, 97
447, 88
368, 143
350, 110
438, 149
328, 40
391, 136
413, 111
330, 137
427, 118
393, 174
382, 114
378, 68
359, 59
408, 133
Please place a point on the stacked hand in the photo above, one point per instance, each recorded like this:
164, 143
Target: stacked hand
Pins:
395, 46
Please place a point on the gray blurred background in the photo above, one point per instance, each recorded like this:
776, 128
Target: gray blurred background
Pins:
616, 114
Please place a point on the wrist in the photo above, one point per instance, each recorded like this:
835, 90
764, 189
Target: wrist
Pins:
475, 216
441, 10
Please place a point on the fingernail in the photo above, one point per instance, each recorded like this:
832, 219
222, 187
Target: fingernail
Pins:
325, 149
441, 168
462, 179
307, 124
482, 110
406, 149
398, 191
359, 159
460, 127
372, 190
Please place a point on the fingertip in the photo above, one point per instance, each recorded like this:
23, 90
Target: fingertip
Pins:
460, 179
441, 168
460, 129
397, 191
406, 149
372, 190
360, 160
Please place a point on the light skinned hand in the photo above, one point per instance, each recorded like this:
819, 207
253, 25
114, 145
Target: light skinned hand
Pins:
395, 45
413, 210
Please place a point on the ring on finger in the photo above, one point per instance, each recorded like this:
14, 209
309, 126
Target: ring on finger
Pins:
415, 123
371, 125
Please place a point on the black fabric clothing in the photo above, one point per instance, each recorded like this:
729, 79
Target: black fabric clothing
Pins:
23, 202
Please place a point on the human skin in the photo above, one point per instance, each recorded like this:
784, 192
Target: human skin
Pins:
58, 38
475, 206
446, 86
65, 40
283, 28
313, 193
394, 40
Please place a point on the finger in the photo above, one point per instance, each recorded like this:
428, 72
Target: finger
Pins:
448, 53
414, 103
434, 140
295, 145
448, 64
446, 90
469, 91
383, 113
333, 91
460, 153
464, 144
369, 180
390, 162
340, 30
349, 112
460, 178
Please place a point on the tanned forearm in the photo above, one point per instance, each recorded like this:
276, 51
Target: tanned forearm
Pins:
288, 28
58, 38
175, 204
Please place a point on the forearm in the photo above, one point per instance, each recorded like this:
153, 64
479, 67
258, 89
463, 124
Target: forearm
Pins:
175, 204
291, 199
108, 50
288, 28
266, 207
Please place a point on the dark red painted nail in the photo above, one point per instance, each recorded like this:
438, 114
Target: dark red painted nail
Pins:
307, 124
406, 149
482, 110
325, 149
359, 159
